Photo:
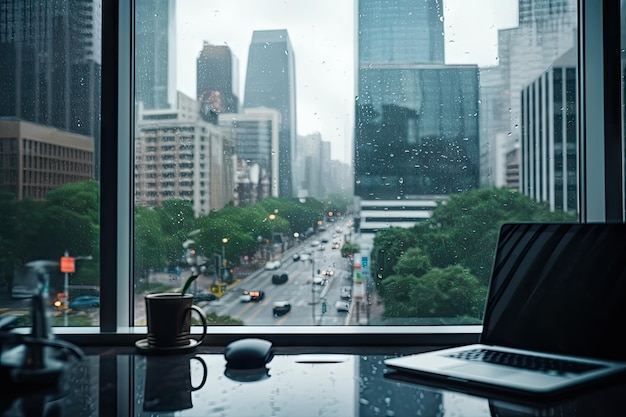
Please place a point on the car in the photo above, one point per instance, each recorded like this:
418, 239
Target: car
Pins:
327, 272
280, 278
281, 308
342, 306
345, 293
296, 257
271, 265
84, 302
321, 247
204, 296
324, 240
21, 291
319, 280
248, 296
314, 243
305, 257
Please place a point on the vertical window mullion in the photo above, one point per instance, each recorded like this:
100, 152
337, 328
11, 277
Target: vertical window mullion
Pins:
600, 123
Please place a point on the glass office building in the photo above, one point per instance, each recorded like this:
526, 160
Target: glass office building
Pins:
421, 139
50, 65
155, 61
270, 82
416, 131
406, 31
217, 81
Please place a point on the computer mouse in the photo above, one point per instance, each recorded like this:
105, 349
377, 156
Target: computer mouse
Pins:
249, 353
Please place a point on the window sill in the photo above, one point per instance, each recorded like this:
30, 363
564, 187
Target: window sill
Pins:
292, 335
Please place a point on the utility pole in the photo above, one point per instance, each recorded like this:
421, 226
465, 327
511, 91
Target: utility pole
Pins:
67, 265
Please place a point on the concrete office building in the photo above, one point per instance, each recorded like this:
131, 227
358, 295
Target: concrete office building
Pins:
310, 169
217, 81
546, 31
155, 53
271, 83
179, 155
50, 65
549, 170
256, 134
316, 174
35, 159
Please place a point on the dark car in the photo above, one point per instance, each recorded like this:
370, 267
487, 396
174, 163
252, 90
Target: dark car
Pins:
281, 308
84, 302
204, 296
247, 296
280, 278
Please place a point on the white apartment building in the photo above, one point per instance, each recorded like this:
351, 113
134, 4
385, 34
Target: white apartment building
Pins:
179, 155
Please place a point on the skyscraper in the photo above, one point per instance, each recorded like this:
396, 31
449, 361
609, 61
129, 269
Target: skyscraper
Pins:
546, 31
407, 32
256, 135
50, 64
270, 82
416, 130
217, 76
155, 53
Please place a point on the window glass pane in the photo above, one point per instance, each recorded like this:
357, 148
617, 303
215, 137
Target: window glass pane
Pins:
49, 159
346, 163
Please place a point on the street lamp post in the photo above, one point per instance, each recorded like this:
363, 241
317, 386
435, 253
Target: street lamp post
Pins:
313, 289
224, 262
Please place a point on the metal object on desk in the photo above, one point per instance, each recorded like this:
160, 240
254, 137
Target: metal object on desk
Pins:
38, 360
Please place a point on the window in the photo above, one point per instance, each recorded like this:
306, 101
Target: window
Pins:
418, 126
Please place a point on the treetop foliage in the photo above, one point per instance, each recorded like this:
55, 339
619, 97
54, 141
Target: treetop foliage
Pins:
459, 238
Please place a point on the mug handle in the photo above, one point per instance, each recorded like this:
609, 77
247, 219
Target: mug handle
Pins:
202, 318
205, 371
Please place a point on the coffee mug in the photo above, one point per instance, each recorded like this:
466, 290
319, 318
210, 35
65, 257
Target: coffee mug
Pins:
168, 383
169, 320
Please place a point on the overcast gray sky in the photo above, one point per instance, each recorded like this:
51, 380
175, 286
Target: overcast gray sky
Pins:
323, 39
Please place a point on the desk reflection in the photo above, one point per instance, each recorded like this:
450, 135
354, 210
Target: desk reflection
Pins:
342, 385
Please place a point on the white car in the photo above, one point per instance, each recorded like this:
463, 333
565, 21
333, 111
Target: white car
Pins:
345, 293
305, 257
314, 243
273, 265
342, 305
319, 280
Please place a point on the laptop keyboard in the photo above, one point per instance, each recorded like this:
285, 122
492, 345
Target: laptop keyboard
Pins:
529, 362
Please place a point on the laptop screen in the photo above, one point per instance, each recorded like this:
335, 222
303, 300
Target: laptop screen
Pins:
559, 288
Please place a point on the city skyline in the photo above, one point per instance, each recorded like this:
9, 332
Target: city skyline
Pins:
324, 49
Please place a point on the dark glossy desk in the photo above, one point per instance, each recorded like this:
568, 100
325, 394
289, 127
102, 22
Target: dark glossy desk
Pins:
297, 383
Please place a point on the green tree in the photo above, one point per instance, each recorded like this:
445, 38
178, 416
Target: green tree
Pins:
414, 262
452, 292
464, 229
349, 249
389, 246
177, 221
71, 222
149, 244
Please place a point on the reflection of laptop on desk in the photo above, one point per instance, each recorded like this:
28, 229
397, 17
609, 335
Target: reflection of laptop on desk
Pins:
555, 310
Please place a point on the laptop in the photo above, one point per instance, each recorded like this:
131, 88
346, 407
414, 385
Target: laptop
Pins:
554, 315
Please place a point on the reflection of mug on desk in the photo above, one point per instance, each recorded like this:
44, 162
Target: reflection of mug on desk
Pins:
168, 382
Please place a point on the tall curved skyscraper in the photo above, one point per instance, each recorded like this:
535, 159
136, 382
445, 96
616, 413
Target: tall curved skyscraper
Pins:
271, 82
